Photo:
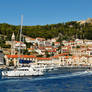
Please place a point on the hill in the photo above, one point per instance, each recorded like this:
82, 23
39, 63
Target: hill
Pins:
69, 30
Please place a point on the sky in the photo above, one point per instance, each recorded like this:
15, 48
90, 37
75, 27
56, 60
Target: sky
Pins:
42, 12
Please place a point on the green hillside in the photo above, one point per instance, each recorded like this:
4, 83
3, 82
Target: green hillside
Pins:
69, 30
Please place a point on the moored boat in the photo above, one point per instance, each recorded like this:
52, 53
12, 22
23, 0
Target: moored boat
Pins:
22, 71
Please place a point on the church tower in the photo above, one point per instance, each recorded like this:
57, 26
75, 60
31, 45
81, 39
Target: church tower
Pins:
13, 44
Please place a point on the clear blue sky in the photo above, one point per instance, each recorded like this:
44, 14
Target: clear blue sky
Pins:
41, 12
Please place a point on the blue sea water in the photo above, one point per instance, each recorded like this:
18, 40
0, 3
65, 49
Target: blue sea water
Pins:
53, 81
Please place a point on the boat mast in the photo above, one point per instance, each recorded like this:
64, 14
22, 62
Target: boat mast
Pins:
21, 27
20, 36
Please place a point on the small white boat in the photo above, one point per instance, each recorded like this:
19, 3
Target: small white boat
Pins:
39, 67
22, 71
89, 71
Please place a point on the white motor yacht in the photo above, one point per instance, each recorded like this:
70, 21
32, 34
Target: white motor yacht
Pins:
22, 71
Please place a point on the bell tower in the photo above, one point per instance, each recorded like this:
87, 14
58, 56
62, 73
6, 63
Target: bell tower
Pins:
13, 44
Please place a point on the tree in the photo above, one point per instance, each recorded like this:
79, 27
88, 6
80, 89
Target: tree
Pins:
60, 39
47, 54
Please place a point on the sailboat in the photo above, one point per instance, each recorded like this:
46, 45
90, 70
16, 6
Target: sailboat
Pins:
23, 70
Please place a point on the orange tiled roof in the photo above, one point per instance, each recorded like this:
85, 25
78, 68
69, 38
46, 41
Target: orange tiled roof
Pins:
57, 42
66, 57
30, 48
18, 42
57, 56
21, 56
74, 57
42, 58
32, 39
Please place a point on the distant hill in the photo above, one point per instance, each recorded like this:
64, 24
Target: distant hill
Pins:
89, 20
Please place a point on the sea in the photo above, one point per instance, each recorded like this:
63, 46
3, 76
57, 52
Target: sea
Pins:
58, 80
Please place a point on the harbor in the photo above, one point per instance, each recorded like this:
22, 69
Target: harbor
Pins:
62, 80
45, 46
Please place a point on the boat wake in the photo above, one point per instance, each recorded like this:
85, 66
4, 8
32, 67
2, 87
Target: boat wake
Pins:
84, 73
60, 76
